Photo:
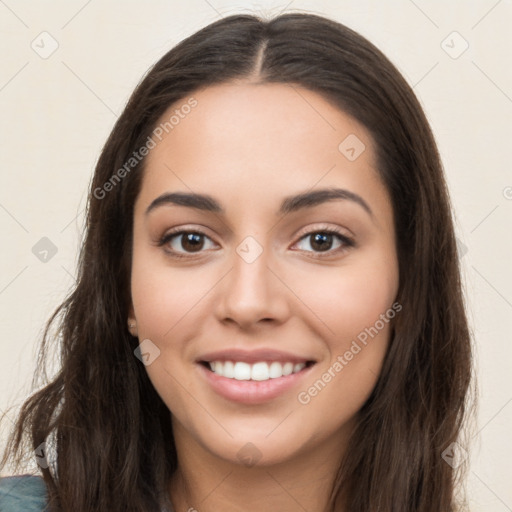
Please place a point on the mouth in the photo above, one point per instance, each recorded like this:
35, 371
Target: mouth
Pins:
253, 377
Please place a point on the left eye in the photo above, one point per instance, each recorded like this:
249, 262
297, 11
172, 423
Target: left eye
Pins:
323, 241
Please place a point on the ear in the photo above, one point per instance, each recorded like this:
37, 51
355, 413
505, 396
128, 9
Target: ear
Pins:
132, 321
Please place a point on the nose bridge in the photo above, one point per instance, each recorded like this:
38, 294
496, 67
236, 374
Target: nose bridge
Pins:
252, 292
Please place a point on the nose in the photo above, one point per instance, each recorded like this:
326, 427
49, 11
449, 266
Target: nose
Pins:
252, 294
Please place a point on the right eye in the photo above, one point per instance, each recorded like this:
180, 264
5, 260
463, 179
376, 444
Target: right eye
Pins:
180, 243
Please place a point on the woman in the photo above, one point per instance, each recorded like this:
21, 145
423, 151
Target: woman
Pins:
268, 309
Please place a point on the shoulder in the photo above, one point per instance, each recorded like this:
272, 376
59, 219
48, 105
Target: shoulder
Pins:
23, 493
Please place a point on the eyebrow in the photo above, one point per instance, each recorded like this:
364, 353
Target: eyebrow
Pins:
290, 204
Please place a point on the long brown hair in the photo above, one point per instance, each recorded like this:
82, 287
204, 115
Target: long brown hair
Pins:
110, 430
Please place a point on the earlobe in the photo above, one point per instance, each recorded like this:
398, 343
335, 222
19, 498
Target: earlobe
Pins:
132, 327
132, 323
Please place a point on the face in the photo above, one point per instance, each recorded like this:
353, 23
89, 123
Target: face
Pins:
265, 308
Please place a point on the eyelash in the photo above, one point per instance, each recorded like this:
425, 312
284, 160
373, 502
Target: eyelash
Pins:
345, 240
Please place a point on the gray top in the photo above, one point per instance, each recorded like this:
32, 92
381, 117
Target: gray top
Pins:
26, 493
23, 493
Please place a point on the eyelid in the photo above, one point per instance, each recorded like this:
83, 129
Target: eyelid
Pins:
323, 228
185, 229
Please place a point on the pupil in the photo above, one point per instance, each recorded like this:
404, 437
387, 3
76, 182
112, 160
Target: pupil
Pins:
194, 241
319, 240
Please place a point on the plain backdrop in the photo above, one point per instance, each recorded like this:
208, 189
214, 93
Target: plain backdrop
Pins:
68, 67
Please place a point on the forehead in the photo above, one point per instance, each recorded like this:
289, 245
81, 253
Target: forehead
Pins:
253, 142
235, 118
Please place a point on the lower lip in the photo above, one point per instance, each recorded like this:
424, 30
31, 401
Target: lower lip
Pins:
252, 391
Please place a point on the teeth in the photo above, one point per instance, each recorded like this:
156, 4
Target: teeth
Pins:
242, 371
228, 370
257, 371
276, 370
260, 371
288, 368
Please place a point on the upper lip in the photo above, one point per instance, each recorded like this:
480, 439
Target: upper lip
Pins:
253, 356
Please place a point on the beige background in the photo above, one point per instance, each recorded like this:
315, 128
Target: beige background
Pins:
57, 112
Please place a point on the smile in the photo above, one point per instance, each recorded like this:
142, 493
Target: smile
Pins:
258, 371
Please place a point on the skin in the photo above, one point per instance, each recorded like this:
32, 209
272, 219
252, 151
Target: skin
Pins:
249, 146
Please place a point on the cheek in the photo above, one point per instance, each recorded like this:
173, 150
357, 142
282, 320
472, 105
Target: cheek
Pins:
163, 297
354, 305
349, 299
170, 306
165, 302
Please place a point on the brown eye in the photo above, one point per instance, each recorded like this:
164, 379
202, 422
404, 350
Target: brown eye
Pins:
325, 241
181, 243
321, 241
192, 242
